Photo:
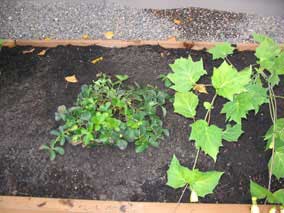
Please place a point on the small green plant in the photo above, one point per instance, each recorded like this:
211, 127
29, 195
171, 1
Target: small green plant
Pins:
244, 90
106, 113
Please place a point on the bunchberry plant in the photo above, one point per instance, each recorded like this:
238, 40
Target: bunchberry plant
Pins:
107, 113
244, 90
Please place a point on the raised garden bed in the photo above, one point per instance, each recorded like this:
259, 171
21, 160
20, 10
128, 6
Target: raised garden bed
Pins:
32, 87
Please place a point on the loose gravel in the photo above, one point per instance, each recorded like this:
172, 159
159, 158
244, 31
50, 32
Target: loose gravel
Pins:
70, 19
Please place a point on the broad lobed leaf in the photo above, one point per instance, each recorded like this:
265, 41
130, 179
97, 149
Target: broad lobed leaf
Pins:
221, 50
261, 192
185, 74
252, 99
202, 183
228, 81
185, 103
207, 138
232, 133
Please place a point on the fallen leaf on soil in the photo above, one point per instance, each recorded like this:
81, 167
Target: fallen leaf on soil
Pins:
96, 60
29, 51
42, 53
177, 21
172, 38
189, 19
200, 88
109, 35
71, 79
85, 36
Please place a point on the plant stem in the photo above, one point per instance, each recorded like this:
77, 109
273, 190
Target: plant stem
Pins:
278, 96
273, 114
207, 117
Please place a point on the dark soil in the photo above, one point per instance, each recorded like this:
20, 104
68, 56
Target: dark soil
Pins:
31, 89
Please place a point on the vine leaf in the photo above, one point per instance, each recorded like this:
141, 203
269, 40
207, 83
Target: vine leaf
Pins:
278, 135
221, 50
185, 103
202, 183
208, 138
242, 103
266, 52
278, 163
228, 81
258, 191
177, 174
185, 74
232, 133
279, 195
258, 95
238, 108
261, 192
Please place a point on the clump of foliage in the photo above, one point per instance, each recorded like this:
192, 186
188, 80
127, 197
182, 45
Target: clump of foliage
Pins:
106, 113
245, 90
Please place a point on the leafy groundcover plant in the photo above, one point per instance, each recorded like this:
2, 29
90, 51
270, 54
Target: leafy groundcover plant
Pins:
106, 113
244, 90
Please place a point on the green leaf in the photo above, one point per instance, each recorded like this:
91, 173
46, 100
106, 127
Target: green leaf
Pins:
238, 108
52, 154
258, 95
279, 196
242, 103
177, 174
122, 77
59, 150
258, 191
44, 147
1, 42
207, 105
232, 133
228, 81
185, 74
278, 66
122, 144
278, 163
278, 133
266, 52
204, 182
221, 50
261, 192
185, 103
208, 138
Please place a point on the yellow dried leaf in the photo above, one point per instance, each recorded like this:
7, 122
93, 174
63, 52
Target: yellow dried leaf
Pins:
177, 21
109, 35
200, 88
85, 36
42, 53
172, 38
47, 38
96, 60
29, 51
71, 79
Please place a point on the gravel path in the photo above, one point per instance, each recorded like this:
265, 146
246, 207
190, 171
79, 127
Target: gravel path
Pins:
70, 19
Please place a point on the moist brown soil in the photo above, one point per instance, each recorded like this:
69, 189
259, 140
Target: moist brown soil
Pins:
31, 89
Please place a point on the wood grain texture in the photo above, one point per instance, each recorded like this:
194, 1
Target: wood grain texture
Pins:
13, 204
120, 43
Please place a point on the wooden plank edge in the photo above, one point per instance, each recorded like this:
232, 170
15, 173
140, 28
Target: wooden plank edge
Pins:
14, 204
195, 45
